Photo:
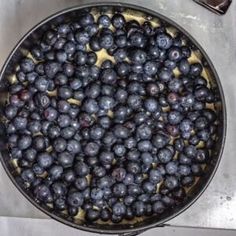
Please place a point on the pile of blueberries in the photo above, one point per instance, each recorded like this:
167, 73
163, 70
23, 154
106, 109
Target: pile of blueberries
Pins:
121, 139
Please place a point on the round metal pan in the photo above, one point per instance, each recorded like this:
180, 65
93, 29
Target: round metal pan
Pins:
21, 49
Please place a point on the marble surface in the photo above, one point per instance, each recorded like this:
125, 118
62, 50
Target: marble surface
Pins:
216, 34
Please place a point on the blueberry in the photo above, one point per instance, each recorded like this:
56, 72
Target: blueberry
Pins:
104, 122
93, 91
73, 146
91, 149
38, 170
81, 169
174, 54
196, 69
96, 132
138, 208
60, 79
68, 69
106, 157
24, 142
11, 128
42, 192
72, 211
28, 176
96, 194
171, 182
174, 117
99, 171
106, 102
92, 215
45, 160
82, 37
202, 156
73, 112
105, 215
190, 151
108, 76
53, 132
90, 106
69, 176
165, 74
170, 64
133, 168
27, 65
197, 169
119, 55
61, 56
65, 159
119, 190
86, 194
104, 21
137, 39
59, 145
81, 58
144, 146
58, 189
30, 154
39, 143
119, 174
94, 44
183, 159
118, 21
171, 168
59, 43
158, 207
119, 150
148, 187
55, 172
151, 105
75, 199
64, 121
160, 140
184, 170
86, 19
137, 56
155, 176
50, 114
121, 40
188, 181
37, 53
184, 66
105, 182
133, 155
91, 58
121, 132
153, 51
51, 69
10, 111
63, 29
119, 209
134, 101
164, 41
203, 135
20, 123
106, 41
186, 125
60, 204
147, 158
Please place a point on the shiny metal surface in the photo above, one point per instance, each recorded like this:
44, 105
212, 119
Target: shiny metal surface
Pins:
216, 207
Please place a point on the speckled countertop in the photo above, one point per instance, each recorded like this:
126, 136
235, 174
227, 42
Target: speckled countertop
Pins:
216, 208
